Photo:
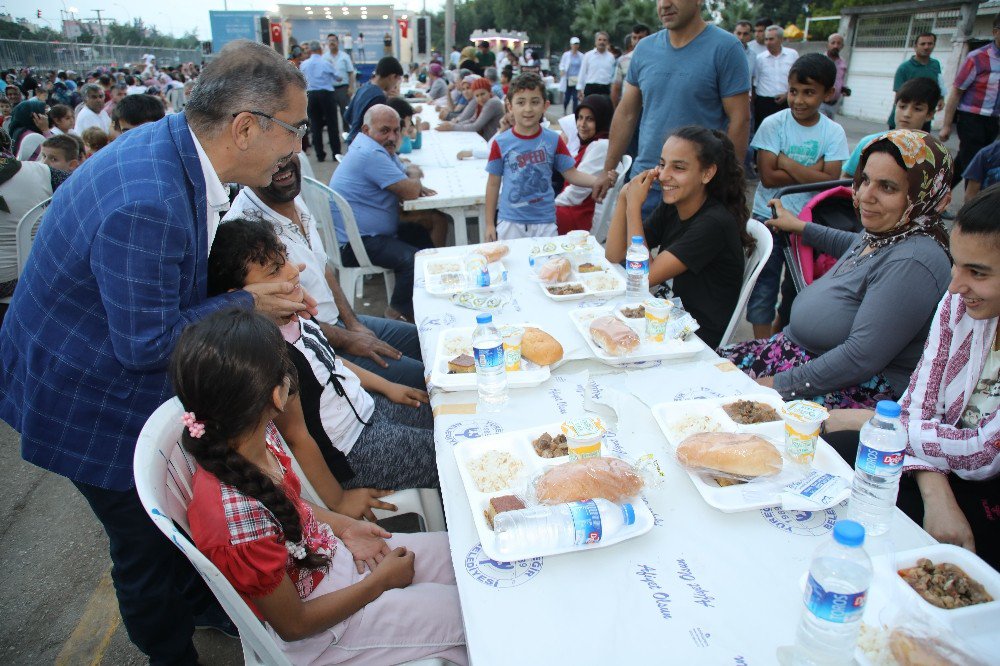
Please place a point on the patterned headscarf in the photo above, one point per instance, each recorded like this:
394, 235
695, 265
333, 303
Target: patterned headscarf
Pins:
929, 171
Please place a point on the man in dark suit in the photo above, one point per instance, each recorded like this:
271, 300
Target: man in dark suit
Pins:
116, 272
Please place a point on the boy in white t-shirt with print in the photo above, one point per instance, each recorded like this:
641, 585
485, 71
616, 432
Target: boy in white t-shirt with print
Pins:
522, 159
794, 146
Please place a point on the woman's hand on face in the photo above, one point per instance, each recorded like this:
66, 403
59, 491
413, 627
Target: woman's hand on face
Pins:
785, 220
41, 122
638, 188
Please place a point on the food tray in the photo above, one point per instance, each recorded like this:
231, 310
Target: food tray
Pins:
647, 351
457, 341
974, 626
444, 275
518, 443
605, 282
741, 497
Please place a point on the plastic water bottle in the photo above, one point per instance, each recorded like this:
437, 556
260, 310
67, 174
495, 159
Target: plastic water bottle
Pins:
835, 596
491, 374
560, 525
637, 271
877, 469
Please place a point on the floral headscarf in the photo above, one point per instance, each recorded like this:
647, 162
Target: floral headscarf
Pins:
929, 171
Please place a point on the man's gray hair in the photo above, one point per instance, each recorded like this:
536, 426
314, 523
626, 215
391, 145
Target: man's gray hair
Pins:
376, 110
490, 73
246, 76
775, 28
836, 34
91, 87
315, 46
601, 32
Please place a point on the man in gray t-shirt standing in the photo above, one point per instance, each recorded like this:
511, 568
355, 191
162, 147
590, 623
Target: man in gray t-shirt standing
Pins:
691, 73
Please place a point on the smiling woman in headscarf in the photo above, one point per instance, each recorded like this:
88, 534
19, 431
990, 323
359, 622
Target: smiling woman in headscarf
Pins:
856, 334
574, 206
28, 117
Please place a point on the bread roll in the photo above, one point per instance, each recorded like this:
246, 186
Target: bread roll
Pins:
539, 347
590, 478
556, 269
613, 335
493, 251
739, 455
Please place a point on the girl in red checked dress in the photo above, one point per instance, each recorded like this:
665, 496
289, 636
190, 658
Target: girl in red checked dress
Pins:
331, 589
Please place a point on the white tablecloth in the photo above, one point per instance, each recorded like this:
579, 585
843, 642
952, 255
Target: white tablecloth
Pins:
703, 587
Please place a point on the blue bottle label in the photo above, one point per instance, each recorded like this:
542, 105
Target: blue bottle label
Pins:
586, 522
833, 606
878, 463
632, 265
488, 358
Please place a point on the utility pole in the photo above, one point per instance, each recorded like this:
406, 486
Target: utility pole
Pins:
100, 24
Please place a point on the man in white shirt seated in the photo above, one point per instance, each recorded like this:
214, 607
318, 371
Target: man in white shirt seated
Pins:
388, 348
598, 68
92, 112
770, 75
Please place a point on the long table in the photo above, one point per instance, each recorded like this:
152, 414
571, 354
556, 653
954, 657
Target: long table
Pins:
702, 587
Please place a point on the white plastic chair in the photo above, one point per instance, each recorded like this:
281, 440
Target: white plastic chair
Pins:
163, 479
318, 198
29, 145
305, 166
754, 265
27, 227
604, 210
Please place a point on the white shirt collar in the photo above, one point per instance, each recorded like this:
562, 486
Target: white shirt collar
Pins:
278, 217
215, 192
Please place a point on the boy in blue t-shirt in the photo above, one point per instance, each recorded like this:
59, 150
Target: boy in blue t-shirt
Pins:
796, 145
983, 170
523, 158
914, 107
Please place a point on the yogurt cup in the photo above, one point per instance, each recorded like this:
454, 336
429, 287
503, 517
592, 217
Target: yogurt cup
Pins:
511, 336
803, 419
657, 313
584, 437
578, 236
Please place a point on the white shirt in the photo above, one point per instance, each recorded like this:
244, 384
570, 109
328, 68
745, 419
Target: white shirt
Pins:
756, 47
346, 42
216, 194
302, 248
86, 119
597, 68
342, 63
771, 72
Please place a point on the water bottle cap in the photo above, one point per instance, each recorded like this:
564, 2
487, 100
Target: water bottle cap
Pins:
888, 409
849, 533
637, 239
484, 319
628, 513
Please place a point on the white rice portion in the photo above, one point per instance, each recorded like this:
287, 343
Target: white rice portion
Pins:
494, 470
874, 642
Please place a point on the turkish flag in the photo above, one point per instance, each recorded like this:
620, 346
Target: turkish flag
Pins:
404, 27
275, 33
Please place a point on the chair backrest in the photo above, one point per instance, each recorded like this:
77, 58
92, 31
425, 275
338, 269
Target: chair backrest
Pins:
29, 144
305, 166
163, 474
754, 265
346, 215
604, 210
176, 99
319, 206
27, 226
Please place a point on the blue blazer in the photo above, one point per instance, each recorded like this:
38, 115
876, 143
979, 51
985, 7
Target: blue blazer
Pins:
117, 270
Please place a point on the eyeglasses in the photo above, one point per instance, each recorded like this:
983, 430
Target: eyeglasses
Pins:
299, 131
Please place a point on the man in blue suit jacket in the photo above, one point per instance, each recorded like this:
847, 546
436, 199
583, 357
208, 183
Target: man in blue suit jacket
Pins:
117, 270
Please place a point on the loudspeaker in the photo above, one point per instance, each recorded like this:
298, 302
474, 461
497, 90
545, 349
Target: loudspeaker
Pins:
265, 29
423, 35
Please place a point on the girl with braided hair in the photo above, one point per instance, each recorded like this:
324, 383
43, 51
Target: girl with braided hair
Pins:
700, 226
303, 570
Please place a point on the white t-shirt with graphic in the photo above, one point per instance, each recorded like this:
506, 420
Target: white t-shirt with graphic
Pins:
986, 398
781, 133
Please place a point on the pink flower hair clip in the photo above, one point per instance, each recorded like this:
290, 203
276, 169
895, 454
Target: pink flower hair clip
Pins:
195, 427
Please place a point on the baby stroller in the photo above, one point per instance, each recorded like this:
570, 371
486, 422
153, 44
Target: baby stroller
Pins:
832, 206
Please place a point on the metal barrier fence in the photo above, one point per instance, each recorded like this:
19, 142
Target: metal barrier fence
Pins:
85, 57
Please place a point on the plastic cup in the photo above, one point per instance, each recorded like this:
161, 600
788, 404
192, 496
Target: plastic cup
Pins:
803, 419
657, 313
477, 271
584, 437
578, 236
511, 336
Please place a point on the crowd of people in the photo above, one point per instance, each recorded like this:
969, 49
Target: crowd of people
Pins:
242, 318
